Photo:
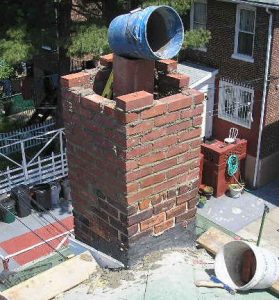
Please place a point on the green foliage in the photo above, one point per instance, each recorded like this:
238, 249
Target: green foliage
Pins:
181, 6
14, 48
6, 70
89, 39
196, 38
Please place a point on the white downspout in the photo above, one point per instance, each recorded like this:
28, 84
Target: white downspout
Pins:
267, 65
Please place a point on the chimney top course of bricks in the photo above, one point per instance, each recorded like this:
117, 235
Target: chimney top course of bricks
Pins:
134, 160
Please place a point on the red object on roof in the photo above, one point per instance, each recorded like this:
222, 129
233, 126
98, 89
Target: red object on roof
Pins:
28, 239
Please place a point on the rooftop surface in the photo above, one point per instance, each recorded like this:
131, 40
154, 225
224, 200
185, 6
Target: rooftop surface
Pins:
163, 275
198, 73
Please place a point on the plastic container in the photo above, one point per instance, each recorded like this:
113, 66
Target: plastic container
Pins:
55, 193
231, 266
23, 200
154, 33
235, 190
8, 214
42, 196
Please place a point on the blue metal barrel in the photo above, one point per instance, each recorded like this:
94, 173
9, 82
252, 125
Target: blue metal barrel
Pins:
155, 32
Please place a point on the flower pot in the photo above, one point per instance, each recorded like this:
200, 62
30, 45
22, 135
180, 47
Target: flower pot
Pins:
200, 205
235, 190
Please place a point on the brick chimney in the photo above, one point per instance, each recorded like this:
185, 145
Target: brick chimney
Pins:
133, 161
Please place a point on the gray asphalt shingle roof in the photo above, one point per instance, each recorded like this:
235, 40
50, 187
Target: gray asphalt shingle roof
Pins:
272, 3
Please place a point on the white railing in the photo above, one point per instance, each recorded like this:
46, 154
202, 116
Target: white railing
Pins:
8, 139
38, 168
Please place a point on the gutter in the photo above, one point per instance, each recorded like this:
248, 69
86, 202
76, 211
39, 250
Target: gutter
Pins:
267, 67
257, 4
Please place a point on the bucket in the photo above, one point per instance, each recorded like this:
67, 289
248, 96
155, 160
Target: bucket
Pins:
153, 33
244, 266
55, 193
235, 190
8, 214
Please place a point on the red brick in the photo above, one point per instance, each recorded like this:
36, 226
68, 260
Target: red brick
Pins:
198, 96
152, 180
133, 101
139, 217
184, 136
159, 229
92, 102
166, 119
186, 197
144, 204
177, 80
185, 114
179, 127
137, 174
154, 135
164, 165
132, 230
126, 118
132, 187
132, 75
145, 126
151, 158
178, 149
153, 221
186, 216
198, 110
157, 110
106, 60
165, 142
166, 65
109, 108
76, 79
138, 196
138, 151
192, 203
197, 121
178, 170
164, 206
176, 211
177, 102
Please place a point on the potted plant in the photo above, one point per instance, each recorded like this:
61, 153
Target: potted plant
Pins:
208, 191
235, 190
202, 202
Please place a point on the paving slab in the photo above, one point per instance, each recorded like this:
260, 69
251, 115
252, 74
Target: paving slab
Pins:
235, 214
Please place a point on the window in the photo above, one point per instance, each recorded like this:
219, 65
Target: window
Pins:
244, 33
235, 103
199, 15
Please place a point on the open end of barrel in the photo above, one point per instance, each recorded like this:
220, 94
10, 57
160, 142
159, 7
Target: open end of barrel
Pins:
165, 32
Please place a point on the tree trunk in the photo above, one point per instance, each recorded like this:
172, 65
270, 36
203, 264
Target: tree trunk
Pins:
64, 22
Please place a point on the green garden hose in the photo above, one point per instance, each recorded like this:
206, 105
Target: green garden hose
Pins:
233, 165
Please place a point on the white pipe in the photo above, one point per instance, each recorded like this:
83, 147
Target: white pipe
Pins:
267, 65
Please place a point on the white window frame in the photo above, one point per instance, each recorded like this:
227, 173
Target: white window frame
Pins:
234, 116
237, 55
204, 49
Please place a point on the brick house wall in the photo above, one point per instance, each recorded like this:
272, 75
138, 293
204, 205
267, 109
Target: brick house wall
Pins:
133, 162
221, 18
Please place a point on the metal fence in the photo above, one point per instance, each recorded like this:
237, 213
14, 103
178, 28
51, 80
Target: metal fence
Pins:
37, 168
7, 140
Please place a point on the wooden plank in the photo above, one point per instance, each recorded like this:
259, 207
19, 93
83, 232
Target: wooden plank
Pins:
214, 239
54, 281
